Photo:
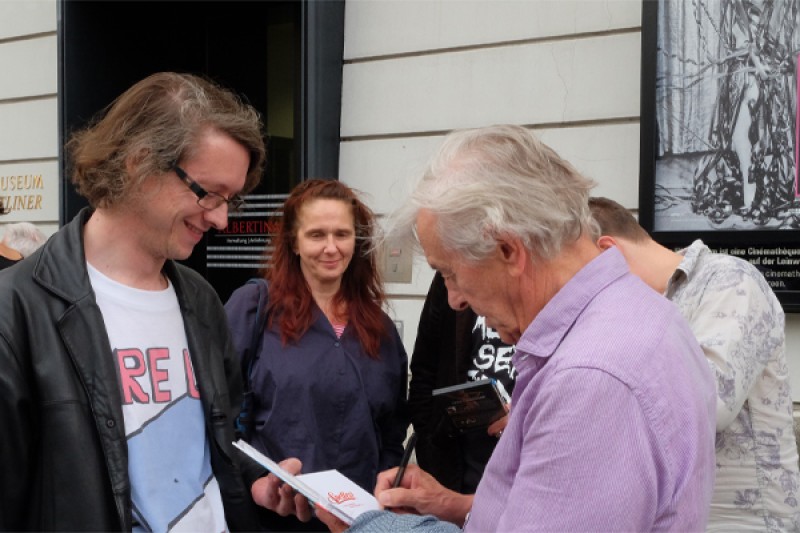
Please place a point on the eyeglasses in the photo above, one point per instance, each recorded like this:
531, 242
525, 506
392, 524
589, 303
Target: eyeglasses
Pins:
208, 200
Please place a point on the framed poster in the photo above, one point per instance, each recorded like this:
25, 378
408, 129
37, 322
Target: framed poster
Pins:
719, 130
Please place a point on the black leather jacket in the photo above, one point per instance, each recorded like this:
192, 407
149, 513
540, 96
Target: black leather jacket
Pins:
63, 452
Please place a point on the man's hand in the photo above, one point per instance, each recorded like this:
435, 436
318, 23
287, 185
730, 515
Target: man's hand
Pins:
496, 428
420, 493
275, 495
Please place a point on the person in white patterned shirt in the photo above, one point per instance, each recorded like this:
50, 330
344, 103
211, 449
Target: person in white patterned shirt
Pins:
739, 323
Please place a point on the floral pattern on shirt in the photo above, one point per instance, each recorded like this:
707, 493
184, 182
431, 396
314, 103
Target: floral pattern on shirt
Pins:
739, 323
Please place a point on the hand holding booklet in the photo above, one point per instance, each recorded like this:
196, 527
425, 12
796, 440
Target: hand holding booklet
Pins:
475, 404
330, 489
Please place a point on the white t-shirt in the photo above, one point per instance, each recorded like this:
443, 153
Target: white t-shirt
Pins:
172, 485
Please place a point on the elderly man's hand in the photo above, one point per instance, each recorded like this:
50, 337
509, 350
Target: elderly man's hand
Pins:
275, 495
420, 493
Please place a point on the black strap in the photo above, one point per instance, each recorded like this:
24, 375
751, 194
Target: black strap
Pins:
260, 321
244, 420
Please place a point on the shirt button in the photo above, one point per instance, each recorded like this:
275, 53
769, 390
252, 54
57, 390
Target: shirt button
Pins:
110, 423
336, 344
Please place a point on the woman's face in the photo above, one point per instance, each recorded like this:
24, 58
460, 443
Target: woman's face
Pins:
325, 240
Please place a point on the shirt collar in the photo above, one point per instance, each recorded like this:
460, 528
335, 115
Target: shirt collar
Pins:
543, 336
687, 267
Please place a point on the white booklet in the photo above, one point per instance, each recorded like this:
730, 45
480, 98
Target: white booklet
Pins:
329, 489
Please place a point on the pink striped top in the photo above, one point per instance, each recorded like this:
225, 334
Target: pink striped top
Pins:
339, 329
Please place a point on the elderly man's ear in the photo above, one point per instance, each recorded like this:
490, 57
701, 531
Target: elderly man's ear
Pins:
605, 242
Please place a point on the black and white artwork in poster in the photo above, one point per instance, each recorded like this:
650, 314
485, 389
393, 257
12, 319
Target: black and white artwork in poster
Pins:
726, 120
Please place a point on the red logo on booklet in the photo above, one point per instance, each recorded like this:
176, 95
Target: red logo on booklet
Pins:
341, 497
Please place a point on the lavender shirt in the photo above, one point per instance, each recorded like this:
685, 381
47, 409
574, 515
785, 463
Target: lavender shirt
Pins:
612, 424
612, 420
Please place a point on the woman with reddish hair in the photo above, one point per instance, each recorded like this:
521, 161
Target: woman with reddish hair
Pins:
330, 374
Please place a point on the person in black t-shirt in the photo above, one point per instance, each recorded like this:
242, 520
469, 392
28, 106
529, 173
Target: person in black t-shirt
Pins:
453, 347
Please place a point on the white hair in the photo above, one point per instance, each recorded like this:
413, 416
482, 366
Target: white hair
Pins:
24, 237
500, 180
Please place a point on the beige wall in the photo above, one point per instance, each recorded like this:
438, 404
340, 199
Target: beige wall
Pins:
28, 112
416, 69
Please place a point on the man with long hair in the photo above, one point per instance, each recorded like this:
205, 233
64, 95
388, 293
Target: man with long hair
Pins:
119, 382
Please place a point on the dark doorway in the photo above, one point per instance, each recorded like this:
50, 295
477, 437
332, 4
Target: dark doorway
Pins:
264, 50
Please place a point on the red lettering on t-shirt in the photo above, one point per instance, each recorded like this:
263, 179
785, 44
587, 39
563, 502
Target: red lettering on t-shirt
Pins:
131, 366
158, 376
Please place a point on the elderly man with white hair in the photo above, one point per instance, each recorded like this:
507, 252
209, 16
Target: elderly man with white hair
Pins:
612, 424
23, 237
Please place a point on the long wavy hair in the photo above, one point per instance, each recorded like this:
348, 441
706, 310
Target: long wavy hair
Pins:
361, 291
155, 123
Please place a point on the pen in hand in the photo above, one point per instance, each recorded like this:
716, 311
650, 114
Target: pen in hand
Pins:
412, 440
